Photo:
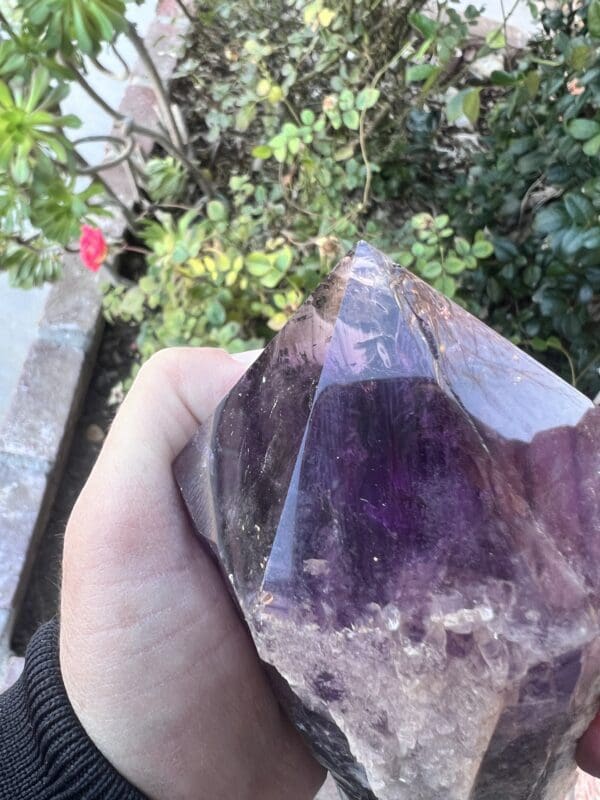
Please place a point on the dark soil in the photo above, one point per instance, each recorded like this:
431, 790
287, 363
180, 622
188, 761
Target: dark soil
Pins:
113, 365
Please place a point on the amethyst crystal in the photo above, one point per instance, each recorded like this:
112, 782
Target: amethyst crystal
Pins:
407, 509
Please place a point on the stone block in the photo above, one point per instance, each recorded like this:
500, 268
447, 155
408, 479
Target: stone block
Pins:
74, 303
40, 411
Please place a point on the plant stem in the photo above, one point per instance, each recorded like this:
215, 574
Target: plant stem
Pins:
183, 7
133, 127
159, 88
93, 173
106, 71
93, 93
361, 126
124, 156
589, 365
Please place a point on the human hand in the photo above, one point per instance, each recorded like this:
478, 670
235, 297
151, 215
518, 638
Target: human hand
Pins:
156, 663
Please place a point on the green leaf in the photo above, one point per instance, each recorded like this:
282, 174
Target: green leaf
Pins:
472, 105
38, 84
216, 211
6, 98
532, 82
405, 259
367, 98
579, 208
454, 107
215, 313
258, 264
262, 151
454, 265
421, 221
351, 119
592, 239
593, 18
20, 170
425, 25
482, 249
583, 129
284, 258
550, 219
592, 146
539, 345
346, 100
82, 35
495, 39
431, 270
532, 275
419, 72
462, 246
572, 241
501, 78
579, 56
344, 153
326, 17
244, 117
271, 279
307, 116
446, 284
263, 87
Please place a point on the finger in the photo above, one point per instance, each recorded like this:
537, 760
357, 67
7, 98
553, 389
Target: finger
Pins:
130, 499
174, 392
588, 749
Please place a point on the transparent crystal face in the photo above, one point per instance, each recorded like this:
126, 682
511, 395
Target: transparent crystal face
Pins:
407, 510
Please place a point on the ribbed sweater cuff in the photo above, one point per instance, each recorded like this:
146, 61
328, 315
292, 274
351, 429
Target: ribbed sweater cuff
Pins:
45, 753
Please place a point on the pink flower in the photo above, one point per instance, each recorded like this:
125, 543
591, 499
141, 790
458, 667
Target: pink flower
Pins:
575, 88
92, 247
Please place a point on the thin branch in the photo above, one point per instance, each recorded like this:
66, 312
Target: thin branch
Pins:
133, 128
97, 176
93, 93
117, 53
159, 88
361, 126
365, 157
588, 366
114, 162
100, 138
183, 7
109, 72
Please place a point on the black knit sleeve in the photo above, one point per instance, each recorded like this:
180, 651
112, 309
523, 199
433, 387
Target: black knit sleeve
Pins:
45, 753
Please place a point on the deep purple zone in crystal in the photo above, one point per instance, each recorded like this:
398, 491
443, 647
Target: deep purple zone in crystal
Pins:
389, 454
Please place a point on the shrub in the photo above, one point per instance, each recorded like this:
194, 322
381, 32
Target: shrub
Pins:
297, 110
313, 125
535, 187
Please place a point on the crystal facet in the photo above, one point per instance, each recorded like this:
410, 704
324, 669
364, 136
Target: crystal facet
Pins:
407, 510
